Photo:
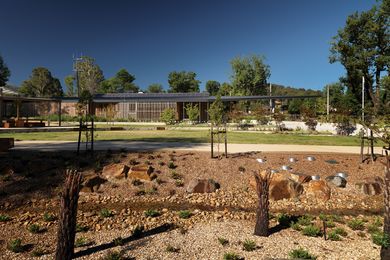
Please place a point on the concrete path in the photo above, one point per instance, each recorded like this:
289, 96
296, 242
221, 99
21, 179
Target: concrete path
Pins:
152, 146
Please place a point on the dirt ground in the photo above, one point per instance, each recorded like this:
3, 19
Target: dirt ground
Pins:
31, 181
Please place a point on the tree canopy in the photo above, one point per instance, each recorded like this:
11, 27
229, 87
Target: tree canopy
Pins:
90, 75
41, 84
155, 88
70, 87
121, 82
5, 73
249, 75
212, 87
363, 48
181, 82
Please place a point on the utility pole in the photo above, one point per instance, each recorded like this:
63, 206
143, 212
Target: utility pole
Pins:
270, 94
76, 70
327, 102
363, 90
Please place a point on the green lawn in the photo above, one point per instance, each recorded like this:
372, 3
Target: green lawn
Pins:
194, 136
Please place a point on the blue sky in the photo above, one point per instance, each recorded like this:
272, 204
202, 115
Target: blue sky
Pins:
152, 38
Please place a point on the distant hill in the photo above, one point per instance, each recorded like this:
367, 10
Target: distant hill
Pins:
291, 91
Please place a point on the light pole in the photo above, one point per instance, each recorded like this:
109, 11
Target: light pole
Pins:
363, 99
327, 102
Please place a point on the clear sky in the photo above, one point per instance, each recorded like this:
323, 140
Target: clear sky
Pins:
152, 38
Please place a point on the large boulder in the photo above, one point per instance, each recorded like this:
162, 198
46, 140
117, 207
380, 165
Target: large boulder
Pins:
141, 172
336, 181
319, 189
281, 186
370, 186
91, 182
115, 171
202, 186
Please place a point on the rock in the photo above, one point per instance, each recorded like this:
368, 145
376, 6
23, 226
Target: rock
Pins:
336, 181
142, 172
370, 186
318, 189
91, 182
281, 186
115, 171
300, 177
202, 186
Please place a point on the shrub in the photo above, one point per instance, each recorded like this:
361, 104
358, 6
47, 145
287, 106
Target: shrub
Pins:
381, 239
332, 235
34, 228
330, 224
81, 241
171, 165
249, 245
356, 224
118, 241
168, 116
5, 218
159, 181
231, 256
340, 231
105, 213
300, 254
151, 213
241, 169
113, 255
49, 217
223, 241
373, 229
305, 220
175, 175
311, 231
171, 249
295, 226
284, 219
179, 183
15, 245
185, 214
81, 228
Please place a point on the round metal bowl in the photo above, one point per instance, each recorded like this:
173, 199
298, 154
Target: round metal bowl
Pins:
274, 171
311, 158
292, 159
261, 160
342, 175
286, 168
315, 177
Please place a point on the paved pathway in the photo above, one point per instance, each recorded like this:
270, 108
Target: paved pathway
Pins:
150, 146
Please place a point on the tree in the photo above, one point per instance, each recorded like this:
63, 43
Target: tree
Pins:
249, 75
363, 48
263, 181
217, 112
70, 88
182, 82
121, 82
192, 112
41, 84
226, 89
212, 87
168, 116
5, 73
155, 88
90, 76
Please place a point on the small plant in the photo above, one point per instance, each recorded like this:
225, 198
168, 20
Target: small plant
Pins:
377, 221
249, 245
15, 245
284, 219
356, 224
223, 241
81, 241
381, 239
295, 226
48, 217
147, 162
161, 163
106, 213
38, 253
151, 191
241, 169
5, 218
300, 254
137, 232
340, 231
311, 231
305, 220
81, 228
333, 236
330, 224
152, 213
159, 181
34, 228
373, 229
179, 183
231, 256
171, 249
113, 255
136, 182
185, 214
118, 241
171, 165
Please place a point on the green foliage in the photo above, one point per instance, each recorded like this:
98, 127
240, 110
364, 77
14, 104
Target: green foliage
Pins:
90, 75
81, 228
168, 116
121, 82
249, 245
212, 87
106, 213
373, 229
381, 239
34, 228
80, 241
340, 231
231, 256
333, 236
300, 254
48, 217
216, 111
223, 241
15, 246
305, 220
171, 165
114, 255
4, 218
225, 90
249, 75
152, 213
181, 82
71, 90
155, 88
192, 112
356, 224
176, 176
295, 226
38, 252
185, 214
311, 231
41, 84
118, 241
284, 219
5, 73
172, 249
179, 183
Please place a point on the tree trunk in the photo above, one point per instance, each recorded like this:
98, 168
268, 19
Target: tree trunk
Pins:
68, 216
385, 252
262, 218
